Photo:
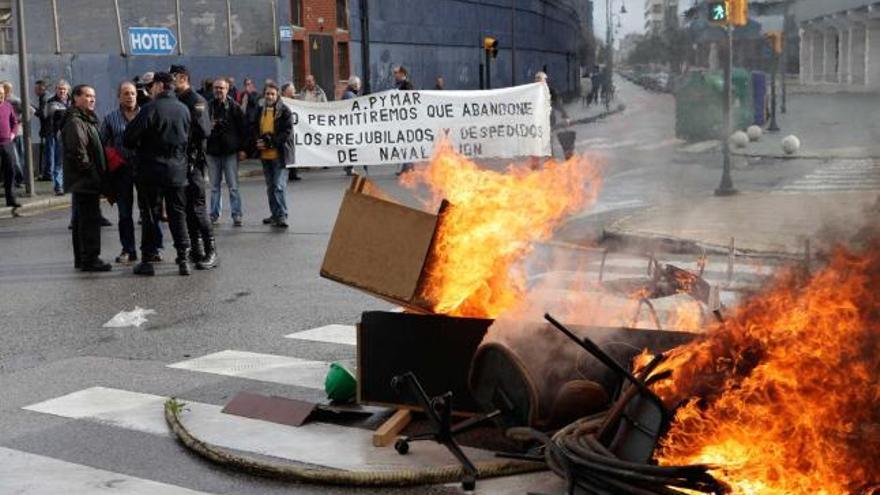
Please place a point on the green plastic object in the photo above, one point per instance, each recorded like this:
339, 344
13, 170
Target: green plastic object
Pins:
698, 104
340, 384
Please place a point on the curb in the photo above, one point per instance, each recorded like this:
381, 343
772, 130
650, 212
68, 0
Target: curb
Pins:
678, 245
36, 206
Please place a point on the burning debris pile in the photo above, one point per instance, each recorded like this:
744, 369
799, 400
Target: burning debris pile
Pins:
779, 398
488, 223
783, 396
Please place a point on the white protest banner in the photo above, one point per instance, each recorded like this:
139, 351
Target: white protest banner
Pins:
394, 127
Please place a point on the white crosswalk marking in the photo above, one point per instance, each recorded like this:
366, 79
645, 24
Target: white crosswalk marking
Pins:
315, 443
841, 175
266, 367
22, 473
332, 334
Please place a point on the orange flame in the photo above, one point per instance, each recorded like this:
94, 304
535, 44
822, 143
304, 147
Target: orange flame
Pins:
490, 224
784, 397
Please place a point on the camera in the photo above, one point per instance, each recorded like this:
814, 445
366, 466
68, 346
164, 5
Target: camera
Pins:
267, 141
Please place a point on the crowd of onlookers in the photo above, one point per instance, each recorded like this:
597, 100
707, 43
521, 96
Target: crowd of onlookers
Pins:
128, 157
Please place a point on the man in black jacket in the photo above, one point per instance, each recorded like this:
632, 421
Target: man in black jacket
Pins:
274, 140
204, 247
160, 134
84, 170
225, 148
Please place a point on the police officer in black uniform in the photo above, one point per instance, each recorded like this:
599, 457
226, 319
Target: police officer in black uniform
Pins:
160, 134
204, 251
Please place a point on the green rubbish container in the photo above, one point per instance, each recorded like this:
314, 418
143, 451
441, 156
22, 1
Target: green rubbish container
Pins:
698, 103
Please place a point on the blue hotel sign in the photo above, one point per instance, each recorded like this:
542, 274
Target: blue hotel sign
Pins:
151, 41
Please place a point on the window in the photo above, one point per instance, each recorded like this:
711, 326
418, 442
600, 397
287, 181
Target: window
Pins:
296, 12
342, 14
298, 57
342, 62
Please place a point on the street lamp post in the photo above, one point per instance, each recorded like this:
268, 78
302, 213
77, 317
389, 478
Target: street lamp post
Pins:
25, 98
609, 34
725, 188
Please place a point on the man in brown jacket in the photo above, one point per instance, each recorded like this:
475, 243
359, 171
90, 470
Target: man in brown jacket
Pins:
84, 169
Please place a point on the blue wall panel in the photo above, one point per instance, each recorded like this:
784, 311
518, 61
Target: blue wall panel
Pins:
443, 38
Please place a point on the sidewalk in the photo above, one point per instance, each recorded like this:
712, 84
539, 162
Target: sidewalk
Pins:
836, 125
46, 199
767, 223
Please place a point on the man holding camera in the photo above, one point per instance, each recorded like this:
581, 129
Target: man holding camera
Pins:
225, 149
274, 131
204, 247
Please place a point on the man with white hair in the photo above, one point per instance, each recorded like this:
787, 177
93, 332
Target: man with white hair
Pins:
555, 103
352, 91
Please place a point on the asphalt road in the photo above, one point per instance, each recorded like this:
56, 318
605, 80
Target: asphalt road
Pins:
52, 341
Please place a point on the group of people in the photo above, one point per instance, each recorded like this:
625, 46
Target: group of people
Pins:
162, 142
160, 147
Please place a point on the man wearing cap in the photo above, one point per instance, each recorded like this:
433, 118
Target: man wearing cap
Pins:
160, 134
204, 250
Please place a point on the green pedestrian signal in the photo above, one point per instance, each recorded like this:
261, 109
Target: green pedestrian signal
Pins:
718, 12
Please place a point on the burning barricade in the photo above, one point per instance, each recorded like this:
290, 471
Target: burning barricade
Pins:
473, 329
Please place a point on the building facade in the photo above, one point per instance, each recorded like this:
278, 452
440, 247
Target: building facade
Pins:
660, 15
87, 41
443, 38
839, 42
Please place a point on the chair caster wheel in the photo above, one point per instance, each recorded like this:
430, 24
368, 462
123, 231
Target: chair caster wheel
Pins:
397, 384
468, 484
401, 446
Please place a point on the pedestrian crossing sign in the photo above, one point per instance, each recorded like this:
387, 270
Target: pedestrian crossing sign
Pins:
718, 12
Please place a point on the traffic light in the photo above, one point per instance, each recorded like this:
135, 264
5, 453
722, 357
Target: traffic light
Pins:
490, 44
738, 12
775, 40
718, 12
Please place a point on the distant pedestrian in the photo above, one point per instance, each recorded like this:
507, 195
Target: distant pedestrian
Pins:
84, 177
201, 232
19, 133
233, 89
288, 90
439, 84
225, 148
160, 134
556, 105
401, 78
275, 143
402, 83
313, 92
8, 125
121, 167
207, 89
353, 91
39, 108
596, 83
249, 99
55, 110
142, 84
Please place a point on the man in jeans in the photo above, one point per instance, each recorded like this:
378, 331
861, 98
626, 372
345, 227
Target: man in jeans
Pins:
55, 110
225, 149
274, 140
122, 178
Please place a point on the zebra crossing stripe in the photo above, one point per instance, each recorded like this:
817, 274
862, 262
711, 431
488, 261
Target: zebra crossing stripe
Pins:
315, 443
23, 473
264, 367
332, 334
